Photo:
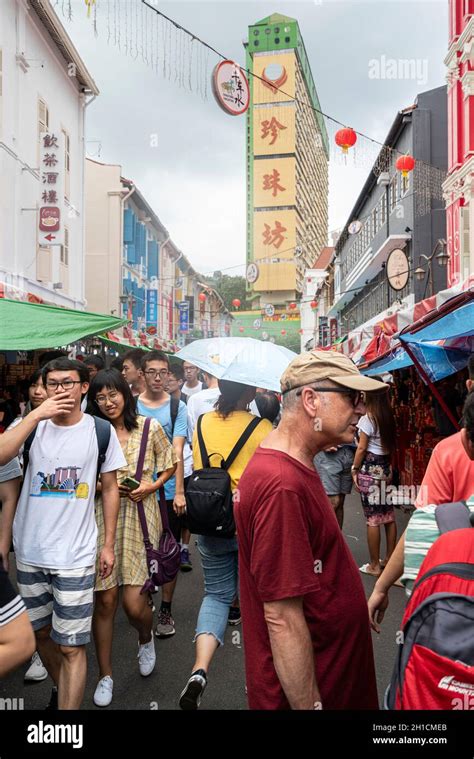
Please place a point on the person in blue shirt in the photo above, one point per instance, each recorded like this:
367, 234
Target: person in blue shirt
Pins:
156, 402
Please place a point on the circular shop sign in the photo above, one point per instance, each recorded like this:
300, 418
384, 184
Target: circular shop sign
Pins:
354, 227
252, 273
257, 324
269, 310
230, 88
397, 269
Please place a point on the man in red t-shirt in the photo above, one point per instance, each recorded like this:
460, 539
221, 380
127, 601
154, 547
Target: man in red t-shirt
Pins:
305, 625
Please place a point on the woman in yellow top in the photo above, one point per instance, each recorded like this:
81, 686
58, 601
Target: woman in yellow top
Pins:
113, 400
221, 430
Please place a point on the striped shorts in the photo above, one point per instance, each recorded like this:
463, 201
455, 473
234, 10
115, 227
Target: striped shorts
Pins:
62, 598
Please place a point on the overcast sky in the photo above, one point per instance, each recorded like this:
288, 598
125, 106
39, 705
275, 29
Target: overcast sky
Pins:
188, 157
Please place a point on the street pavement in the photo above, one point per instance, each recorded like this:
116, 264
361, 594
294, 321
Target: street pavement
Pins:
175, 656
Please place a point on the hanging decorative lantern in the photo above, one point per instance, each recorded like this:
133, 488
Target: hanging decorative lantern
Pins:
202, 297
292, 306
346, 138
300, 331
405, 164
283, 332
241, 329
314, 304
236, 303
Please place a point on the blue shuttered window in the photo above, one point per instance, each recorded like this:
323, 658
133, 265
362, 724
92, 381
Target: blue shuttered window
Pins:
152, 259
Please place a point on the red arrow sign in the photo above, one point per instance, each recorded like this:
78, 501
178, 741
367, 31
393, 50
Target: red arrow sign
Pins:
50, 237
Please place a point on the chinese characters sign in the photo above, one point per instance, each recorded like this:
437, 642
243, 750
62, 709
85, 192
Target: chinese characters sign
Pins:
274, 129
51, 225
152, 307
230, 88
274, 182
183, 316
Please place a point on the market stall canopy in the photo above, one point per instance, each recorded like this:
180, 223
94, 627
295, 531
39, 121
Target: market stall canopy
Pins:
441, 341
240, 359
28, 326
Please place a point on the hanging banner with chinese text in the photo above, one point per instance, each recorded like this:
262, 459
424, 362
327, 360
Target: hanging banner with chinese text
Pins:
51, 201
183, 316
152, 307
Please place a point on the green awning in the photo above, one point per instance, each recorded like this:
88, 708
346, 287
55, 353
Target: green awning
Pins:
122, 347
27, 326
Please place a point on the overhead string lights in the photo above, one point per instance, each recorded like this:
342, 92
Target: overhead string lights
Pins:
169, 49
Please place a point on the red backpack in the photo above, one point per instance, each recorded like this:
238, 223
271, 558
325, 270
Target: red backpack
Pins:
434, 668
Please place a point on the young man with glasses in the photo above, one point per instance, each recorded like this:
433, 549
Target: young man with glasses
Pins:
156, 402
54, 527
304, 613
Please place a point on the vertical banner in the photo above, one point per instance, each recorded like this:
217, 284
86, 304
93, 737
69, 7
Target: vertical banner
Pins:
151, 308
183, 316
51, 200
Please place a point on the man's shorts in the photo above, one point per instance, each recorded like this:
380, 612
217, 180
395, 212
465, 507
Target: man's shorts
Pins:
62, 598
334, 469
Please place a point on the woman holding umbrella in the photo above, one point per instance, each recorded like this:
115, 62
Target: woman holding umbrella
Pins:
221, 430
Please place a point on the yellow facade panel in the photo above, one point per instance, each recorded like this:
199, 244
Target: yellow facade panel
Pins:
274, 182
274, 234
274, 130
278, 75
276, 277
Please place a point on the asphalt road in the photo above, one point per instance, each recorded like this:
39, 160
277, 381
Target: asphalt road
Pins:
175, 656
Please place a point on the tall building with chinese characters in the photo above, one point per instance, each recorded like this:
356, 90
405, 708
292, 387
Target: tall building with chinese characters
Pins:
287, 163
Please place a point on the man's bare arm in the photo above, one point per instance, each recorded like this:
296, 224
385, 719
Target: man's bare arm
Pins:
293, 654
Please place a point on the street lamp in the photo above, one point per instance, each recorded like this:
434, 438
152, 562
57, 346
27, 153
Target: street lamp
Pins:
442, 257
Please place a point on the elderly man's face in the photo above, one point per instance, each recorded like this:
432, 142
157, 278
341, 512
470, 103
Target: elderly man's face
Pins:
336, 411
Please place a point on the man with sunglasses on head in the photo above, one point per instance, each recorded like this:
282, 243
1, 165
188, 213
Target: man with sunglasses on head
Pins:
306, 631
54, 527
156, 402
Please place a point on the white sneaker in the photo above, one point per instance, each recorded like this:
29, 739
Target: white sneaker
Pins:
36, 671
147, 658
103, 692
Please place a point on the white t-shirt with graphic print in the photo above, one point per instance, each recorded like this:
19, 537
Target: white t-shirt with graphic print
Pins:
55, 525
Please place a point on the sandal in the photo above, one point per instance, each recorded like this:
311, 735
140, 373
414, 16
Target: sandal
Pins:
365, 569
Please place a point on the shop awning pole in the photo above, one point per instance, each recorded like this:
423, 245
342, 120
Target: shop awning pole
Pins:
430, 384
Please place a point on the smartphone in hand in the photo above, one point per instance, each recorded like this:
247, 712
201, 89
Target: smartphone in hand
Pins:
130, 482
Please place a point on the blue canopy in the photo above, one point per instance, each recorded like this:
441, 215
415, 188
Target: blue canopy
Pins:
442, 347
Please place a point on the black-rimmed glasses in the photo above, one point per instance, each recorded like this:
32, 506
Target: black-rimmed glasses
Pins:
65, 384
356, 396
153, 373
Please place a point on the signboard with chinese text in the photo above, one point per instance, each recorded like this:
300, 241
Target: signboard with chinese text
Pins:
277, 77
274, 130
51, 200
274, 234
274, 182
323, 330
183, 316
230, 88
151, 307
332, 330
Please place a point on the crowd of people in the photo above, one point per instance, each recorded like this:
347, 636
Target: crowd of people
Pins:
101, 462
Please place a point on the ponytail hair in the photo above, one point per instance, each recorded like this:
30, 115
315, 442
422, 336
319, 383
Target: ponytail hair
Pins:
231, 394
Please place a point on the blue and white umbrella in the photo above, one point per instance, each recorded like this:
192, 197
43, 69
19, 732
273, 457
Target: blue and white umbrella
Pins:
240, 359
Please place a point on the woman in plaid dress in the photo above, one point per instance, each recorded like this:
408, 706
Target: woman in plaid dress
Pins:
112, 397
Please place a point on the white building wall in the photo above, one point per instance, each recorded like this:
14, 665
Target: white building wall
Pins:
41, 72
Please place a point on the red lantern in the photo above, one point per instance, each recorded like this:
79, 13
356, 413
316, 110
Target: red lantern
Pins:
405, 164
292, 306
346, 138
314, 304
300, 331
202, 297
283, 332
236, 303
241, 329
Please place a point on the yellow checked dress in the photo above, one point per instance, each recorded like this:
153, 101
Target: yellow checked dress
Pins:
130, 559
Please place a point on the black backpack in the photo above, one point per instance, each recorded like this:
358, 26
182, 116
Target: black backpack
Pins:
102, 430
209, 504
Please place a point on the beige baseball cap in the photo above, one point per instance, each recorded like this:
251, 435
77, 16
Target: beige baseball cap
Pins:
326, 365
